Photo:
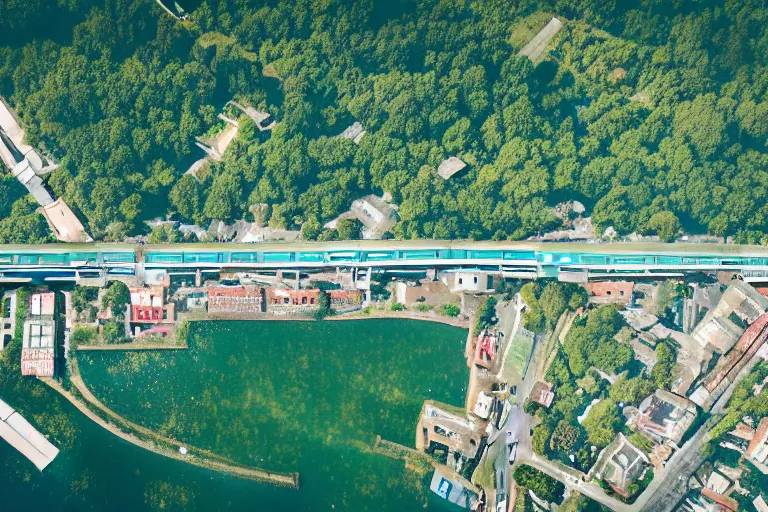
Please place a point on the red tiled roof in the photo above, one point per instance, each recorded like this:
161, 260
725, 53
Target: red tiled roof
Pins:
613, 289
760, 436
729, 503
277, 296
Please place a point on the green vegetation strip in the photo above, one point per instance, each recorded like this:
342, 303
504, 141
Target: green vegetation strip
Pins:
154, 442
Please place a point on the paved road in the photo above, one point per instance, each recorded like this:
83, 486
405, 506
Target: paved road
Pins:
663, 493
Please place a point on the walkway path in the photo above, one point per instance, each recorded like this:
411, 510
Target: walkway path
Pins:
154, 442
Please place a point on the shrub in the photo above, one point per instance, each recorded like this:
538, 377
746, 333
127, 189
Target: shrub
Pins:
83, 335
396, 306
450, 310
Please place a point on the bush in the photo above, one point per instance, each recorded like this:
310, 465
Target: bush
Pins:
82, 296
83, 335
116, 298
396, 306
424, 307
110, 332
450, 310
543, 485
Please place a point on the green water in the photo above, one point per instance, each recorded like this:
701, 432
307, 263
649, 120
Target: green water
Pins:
285, 396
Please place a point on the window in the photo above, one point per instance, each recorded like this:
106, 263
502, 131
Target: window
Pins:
286, 300
312, 300
621, 292
460, 281
475, 279
608, 292
303, 300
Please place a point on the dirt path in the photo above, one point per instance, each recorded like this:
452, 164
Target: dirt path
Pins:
156, 443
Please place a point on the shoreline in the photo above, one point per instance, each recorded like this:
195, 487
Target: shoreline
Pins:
158, 444
356, 315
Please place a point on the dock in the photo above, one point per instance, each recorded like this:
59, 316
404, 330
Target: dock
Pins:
25, 438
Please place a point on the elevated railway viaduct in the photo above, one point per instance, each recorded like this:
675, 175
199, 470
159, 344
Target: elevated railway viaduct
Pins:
573, 261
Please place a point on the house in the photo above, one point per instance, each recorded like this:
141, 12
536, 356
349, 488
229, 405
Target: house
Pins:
148, 306
542, 393
740, 302
610, 292
620, 463
486, 348
354, 132
345, 300
725, 502
282, 301
483, 406
39, 341
449, 167
716, 382
377, 216
7, 323
717, 333
472, 282
454, 490
241, 299
758, 447
64, 223
665, 416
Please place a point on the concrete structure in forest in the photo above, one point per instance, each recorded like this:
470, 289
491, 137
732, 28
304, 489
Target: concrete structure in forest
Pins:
450, 166
538, 45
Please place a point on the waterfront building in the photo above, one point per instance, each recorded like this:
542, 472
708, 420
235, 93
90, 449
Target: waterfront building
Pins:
38, 343
241, 299
148, 306
282, 301
459, 435
345, 300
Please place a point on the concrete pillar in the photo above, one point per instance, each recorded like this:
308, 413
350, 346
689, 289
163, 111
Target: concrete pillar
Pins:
198, 278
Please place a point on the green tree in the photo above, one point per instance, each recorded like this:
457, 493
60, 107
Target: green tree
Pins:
631, 391
543, 485
116, 298
564, 437
540, 438
664, 224
602, 423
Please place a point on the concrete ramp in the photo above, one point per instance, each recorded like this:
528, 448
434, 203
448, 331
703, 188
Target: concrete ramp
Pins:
25, 438
536, 46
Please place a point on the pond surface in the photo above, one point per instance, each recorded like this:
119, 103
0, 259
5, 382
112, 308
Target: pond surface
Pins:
285, 396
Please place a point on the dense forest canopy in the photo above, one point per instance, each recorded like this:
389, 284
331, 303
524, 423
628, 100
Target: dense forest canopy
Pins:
653, 113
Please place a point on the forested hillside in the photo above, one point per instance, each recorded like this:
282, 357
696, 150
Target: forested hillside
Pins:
653, 113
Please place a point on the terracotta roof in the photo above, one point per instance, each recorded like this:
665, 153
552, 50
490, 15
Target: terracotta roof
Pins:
729, 503
542, 393
760, 438
743, 431
619, 290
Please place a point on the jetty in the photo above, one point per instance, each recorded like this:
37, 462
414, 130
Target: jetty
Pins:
25, 438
